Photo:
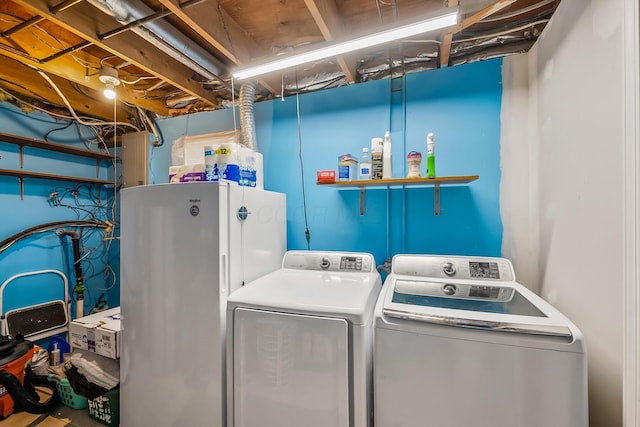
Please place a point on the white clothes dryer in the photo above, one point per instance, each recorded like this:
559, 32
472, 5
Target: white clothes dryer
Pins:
458, 342
299, 350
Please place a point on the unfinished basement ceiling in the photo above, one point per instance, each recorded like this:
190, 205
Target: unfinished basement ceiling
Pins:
176, 57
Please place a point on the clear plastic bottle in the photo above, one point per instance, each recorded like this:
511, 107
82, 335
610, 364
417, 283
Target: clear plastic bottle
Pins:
431, 156
365, 164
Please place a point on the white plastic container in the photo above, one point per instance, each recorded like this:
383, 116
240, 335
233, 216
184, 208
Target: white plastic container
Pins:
365, 165
387, 171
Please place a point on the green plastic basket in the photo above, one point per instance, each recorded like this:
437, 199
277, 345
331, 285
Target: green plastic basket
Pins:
67, 395
106, 408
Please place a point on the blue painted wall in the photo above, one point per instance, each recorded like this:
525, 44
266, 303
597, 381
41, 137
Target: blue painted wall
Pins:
461, 105
48, 250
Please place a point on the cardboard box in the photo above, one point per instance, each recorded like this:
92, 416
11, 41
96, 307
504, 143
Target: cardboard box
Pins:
326, 176
98, 332
347, 168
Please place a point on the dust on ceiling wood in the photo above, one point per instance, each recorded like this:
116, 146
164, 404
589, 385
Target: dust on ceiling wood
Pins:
176, 57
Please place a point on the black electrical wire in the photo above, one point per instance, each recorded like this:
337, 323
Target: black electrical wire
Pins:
307, 234
9, 241
46, 135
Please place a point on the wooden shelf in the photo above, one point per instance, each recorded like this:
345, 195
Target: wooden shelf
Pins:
405, 182
26, 174
58, 148
21, 175
444, 180
51, 146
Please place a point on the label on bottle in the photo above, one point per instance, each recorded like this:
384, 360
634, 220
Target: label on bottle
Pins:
365, 171
376, 165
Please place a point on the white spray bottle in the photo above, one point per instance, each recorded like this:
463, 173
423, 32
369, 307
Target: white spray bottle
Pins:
387, 171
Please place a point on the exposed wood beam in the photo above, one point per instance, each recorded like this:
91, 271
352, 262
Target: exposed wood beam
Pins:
445, 48
331, 25
446, 39
34, 86
67, 68
83, 21
484, 13
215, 26
222, 32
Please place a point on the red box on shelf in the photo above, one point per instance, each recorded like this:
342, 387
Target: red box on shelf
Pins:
326, 176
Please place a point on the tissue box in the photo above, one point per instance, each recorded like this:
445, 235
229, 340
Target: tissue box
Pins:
98, 332
186, 173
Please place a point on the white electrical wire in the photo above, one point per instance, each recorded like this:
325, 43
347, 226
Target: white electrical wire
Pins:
72, 111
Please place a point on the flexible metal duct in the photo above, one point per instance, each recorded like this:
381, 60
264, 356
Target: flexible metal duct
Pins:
247, 119
162, 35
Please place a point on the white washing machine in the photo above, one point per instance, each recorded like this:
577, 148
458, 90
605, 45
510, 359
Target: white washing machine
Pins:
459, 343
299, 349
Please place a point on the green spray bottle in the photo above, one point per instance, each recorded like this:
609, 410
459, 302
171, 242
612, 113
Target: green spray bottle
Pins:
431, 157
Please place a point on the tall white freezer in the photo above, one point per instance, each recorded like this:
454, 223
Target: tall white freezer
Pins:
184, 248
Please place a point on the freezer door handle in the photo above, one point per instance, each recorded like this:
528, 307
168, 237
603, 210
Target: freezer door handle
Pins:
519, 328
224, 285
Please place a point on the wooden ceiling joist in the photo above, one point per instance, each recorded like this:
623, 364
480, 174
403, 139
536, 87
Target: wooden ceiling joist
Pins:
445, 47
81, 20
190, 66
325, 13
25, 56
34, 86
222, 32
445, 41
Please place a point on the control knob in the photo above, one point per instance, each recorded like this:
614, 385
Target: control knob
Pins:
449, 289
325, 263
449, 269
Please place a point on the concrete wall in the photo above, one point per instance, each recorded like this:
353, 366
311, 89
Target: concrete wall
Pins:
562, 191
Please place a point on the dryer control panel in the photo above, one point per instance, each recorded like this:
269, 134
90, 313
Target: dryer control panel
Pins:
356, 262
454, 267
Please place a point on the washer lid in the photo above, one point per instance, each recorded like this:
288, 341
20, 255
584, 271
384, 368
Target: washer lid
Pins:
498, 306
350, 295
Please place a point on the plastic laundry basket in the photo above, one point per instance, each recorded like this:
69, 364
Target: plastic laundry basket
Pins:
67, 395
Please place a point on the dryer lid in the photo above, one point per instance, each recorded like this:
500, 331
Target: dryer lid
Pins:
350, 296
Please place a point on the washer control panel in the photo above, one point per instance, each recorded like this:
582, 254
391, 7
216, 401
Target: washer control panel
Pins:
454, 267
454, 290
356, 262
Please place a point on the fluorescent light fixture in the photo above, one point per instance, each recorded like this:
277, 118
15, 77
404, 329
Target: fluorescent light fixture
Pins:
442, 19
